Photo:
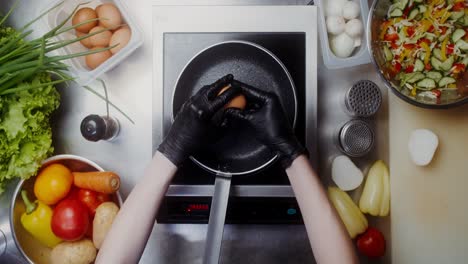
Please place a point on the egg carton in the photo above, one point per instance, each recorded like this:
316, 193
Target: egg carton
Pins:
359, 56
77, 66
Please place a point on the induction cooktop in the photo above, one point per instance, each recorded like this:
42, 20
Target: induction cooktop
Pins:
265, 197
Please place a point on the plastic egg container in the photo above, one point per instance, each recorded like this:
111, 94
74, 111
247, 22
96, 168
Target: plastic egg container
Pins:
360, 55
78, 67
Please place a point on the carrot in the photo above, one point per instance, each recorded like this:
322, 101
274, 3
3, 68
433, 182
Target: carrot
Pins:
99, 181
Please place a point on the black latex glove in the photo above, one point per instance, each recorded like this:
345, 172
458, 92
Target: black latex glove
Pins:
193, 123
265, 115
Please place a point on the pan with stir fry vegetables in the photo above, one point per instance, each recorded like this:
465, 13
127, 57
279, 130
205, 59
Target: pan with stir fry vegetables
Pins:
425, 47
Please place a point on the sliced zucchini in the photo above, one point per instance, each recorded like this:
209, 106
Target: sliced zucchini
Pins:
396, 13
387, 53
434, 75
413, 13
437, 53
446, 81
418, 1
427, 83
447, 64
414, 77
422, 8
465, 20
402, 4
461, 44
418, 66
436, 63
458, 34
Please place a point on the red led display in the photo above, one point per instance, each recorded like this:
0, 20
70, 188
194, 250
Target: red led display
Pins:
197, 207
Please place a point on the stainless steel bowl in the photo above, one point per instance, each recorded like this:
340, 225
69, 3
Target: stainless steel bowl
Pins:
30, 248
377, 15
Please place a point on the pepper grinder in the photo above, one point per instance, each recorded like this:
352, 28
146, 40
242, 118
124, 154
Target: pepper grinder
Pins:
95, 128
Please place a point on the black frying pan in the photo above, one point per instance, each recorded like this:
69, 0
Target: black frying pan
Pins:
237, 152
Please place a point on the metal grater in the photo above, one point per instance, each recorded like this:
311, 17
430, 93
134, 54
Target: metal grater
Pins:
363, 99
356, 138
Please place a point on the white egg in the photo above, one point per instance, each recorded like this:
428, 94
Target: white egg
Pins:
354, 28
351, 10
357, 42
335, 25
342, 45
334, 8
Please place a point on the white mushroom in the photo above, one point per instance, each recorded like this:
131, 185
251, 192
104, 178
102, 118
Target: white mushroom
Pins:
342, 45
351, 10
354, 28
335, 25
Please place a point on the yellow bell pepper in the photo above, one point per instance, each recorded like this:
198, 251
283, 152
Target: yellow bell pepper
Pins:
354, 221
375, 198
37, 221
427, 52
443, 49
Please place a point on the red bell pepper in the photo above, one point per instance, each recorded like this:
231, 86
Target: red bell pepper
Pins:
391, 37
450, 48
460, 6
409, 69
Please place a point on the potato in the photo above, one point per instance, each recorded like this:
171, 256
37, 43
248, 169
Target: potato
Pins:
105, 215
76, 252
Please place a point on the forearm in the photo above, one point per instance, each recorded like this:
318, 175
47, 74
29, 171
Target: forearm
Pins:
127, 238
328, 237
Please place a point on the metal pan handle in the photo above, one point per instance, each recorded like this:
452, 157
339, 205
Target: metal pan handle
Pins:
214, 237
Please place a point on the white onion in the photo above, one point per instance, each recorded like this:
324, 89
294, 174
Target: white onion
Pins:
335, 25
351, 10
422, 145
345, 174
354, 28
342, 45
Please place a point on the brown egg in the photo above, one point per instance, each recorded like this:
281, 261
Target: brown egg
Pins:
85, 42
94, 60
82, 15
237, 102
109, 16
121, 37
98, 7
100, 39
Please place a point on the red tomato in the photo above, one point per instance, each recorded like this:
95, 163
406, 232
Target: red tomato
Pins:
460, 6
431, 29
437, 93
397, 67
371, 243
391, 37
450, 48
409, 69
393, 45
92, 199
70, 220
443, 30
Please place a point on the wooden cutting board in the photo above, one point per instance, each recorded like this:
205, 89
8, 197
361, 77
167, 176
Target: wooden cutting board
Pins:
429, 211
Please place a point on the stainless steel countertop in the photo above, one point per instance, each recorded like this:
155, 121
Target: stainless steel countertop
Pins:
130, 84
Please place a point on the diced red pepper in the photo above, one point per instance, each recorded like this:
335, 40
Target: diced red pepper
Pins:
443, 30
409, 69
407, 10
409, 46
437, 93
397, 57
396, 67
393, 45
450, 48
410, 31
428, 42
428, 67
458, 67
460, 6
391, 37
431, 29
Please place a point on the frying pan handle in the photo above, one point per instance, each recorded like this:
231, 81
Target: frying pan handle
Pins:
214, 237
